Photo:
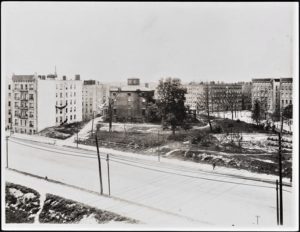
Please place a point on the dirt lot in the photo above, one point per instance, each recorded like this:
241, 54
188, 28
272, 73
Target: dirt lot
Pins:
63, 131
232, 143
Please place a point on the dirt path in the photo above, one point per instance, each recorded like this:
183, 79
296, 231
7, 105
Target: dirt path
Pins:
42, 201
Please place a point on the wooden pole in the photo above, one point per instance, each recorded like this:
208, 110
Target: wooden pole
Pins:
99, 164
107, 160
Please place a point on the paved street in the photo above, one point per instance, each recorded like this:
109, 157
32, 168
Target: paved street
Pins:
206, 198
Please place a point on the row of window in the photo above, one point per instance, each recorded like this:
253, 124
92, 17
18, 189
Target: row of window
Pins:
23, 122
61, 118
61, 94
70, 101
61, 86
22, 86
60, 111
30, 131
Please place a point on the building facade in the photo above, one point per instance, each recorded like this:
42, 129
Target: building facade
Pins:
194, 92
39, 101
221, 96
273, 94
94, 95
129, 103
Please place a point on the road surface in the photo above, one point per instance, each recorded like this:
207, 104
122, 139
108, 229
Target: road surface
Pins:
208, 198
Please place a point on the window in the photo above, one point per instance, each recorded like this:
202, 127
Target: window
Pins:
31, 96
287, 102
71, 117
115, 111
8, 86
129, 94
9, 112
74, 116
74, 109
74, 94
8, 103
71, 102
71, 109
60, 111
66, 94
56, 95
9, 94
21, 86
56, 119
60, 94
60, 119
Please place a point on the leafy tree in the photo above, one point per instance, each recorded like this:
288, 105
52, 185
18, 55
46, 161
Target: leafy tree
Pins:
256, 112
171, 96
288, 112
153, 113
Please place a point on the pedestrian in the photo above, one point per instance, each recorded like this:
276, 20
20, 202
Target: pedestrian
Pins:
214, 165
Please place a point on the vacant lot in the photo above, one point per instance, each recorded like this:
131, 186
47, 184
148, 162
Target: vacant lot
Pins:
231, 143
63, 131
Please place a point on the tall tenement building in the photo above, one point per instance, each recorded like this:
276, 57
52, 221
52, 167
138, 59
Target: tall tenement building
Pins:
274, 94
39, 101
219, 93
94, 95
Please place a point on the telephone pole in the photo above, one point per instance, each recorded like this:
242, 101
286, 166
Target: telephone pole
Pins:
107, 160
277, 204
99, 164
6, 151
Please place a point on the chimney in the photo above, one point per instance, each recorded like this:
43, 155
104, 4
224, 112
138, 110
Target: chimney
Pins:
77, 77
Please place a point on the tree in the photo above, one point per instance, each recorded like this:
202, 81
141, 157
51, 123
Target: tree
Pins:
153, 112
203, 102
288, 112
171, 96
256, 113
232, 99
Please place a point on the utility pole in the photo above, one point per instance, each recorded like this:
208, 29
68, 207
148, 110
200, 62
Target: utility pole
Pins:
6, 151
99, 164
280, 172
93, 123
107, 160
77, 134
277, 204
280, 180
257, 219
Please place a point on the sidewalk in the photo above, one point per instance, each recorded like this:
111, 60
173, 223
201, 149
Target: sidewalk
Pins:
147, 216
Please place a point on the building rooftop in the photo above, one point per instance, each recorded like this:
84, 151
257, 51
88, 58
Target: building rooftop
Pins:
23, 77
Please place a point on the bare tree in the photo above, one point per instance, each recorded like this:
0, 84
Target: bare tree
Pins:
232, 99
204, 101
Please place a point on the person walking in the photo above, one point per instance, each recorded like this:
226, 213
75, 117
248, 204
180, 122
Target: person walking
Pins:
214, 165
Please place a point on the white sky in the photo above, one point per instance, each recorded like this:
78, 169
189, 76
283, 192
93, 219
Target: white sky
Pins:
113, 41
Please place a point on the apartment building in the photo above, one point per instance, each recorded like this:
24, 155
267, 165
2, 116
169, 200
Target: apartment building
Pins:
68, 104
130, 102
220, 95
38, 101
194, 92
8, 104
273, 93
94, 95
